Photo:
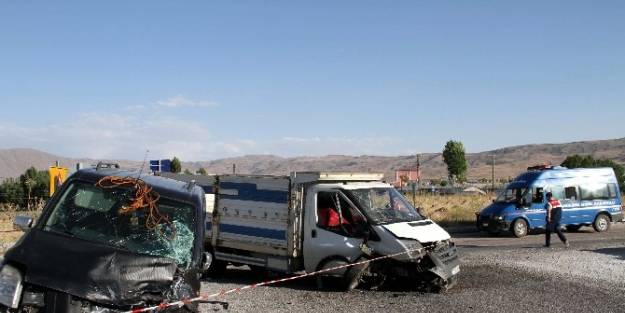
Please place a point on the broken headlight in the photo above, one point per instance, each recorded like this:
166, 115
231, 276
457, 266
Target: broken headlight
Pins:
10, 286
414, 249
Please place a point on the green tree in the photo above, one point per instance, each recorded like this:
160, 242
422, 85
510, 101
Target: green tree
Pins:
187, 172
454, 157
11, 191
28, 188
579, 161
201, 171
176, 167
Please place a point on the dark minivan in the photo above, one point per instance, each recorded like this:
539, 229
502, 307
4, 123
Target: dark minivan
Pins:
108, 242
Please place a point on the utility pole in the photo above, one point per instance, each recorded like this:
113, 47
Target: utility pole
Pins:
234, 169
493, 173
415, 185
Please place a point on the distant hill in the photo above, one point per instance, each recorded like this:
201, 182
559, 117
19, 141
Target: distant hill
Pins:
509, 161
13, 162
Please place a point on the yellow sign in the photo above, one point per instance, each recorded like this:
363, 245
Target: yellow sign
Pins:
57, 176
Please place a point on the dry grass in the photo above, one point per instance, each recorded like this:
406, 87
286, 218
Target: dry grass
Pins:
452, 209
8, 213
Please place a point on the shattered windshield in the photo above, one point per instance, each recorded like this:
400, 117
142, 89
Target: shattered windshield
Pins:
512, 195
91, 213
385, 205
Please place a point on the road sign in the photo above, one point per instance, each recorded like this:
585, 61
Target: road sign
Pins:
57, 176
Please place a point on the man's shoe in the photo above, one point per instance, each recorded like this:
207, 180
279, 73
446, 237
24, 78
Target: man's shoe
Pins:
566, 243
546, 246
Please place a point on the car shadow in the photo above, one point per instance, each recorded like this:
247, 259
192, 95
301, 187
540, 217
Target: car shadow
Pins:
616, 252
243, 275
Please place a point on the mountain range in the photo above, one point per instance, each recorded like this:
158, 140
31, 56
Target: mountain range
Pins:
509, 161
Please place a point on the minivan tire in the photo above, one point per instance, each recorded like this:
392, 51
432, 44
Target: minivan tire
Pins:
602, 223
519, 228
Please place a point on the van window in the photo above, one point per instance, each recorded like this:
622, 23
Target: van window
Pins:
557, 192
612, 189
570, 193
594, 192
537, 197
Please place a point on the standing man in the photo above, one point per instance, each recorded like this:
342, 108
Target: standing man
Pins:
554, 215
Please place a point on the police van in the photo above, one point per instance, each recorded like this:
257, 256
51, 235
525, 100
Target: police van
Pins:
589, 197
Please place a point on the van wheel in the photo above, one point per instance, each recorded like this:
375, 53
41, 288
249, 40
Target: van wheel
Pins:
213, 268
519, 228
602, 223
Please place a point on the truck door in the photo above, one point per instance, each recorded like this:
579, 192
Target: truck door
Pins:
331, 235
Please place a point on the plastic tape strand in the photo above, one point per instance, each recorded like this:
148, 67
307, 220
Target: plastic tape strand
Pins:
237, 290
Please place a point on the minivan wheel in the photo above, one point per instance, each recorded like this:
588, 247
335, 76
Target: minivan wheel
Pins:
602, 223
519, 228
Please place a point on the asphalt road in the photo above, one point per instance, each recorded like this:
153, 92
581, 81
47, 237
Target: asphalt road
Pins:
499, 274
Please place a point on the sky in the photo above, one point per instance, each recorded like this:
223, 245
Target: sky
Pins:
204, 80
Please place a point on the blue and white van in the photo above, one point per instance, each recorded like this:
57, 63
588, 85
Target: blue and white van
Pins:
589, 197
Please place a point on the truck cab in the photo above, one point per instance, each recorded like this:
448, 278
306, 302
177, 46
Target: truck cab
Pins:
96, 248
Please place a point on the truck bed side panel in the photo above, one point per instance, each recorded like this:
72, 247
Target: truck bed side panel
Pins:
254, 212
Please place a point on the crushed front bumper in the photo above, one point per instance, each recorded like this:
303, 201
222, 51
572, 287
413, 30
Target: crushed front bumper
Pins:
446, 261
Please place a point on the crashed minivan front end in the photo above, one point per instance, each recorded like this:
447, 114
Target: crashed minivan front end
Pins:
95, 249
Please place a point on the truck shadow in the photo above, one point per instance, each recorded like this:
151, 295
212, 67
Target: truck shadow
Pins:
616, 252
242, 275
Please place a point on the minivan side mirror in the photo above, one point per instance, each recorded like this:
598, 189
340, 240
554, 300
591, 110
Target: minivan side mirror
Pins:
23, 223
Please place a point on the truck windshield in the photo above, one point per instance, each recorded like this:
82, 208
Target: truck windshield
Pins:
91, 213
385, 205
512, 194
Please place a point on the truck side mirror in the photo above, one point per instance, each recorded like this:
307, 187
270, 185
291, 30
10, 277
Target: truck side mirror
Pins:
23, 223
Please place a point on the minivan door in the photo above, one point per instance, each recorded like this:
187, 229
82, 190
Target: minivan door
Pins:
333, 230
536, 212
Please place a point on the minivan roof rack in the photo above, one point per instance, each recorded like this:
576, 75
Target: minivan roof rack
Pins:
103, 165
544, 167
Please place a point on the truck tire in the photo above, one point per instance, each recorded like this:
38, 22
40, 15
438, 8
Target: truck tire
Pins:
602, 223
519, 228
328, 282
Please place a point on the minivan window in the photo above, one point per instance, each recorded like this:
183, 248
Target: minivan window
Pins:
570, 193
557, 192
512, 195
595, 192
612, 189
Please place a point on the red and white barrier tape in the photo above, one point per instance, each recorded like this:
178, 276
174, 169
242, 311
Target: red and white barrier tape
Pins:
221, 293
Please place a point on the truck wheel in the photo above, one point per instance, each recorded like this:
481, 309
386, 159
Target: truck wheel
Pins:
354, 275
329, 282
602, 223
573, 228
213, 268
519, 228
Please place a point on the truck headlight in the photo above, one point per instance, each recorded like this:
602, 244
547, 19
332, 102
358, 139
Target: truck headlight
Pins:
498, 217
10, 286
